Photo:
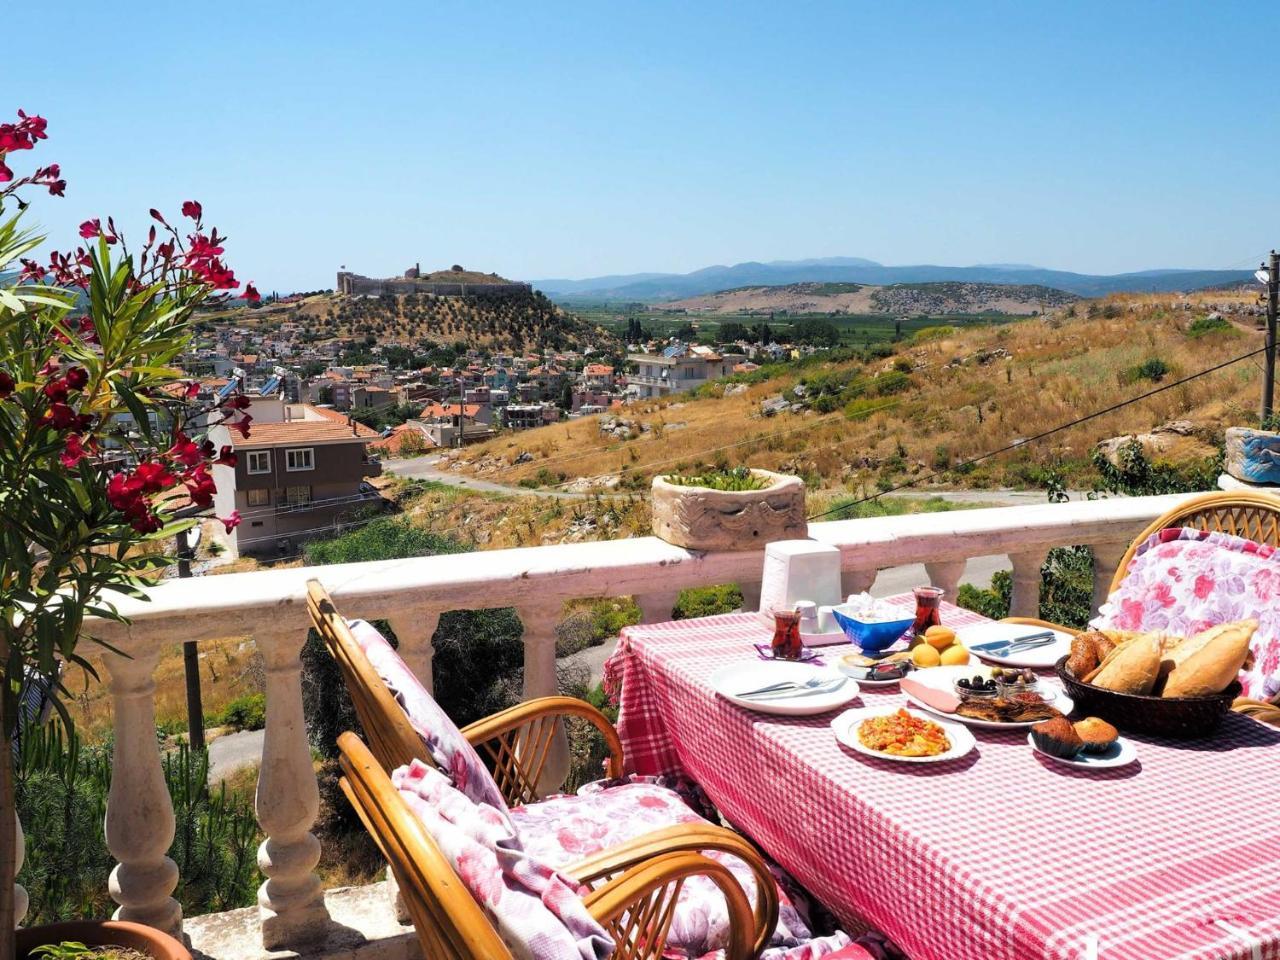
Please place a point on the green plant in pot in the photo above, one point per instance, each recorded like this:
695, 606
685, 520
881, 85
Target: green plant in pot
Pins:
95, 459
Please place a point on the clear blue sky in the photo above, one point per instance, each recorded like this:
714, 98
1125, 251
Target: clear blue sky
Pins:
545, 139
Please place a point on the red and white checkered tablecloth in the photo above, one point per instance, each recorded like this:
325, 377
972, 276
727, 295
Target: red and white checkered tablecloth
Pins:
1001, 855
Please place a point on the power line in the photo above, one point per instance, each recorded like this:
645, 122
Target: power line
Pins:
1040, 436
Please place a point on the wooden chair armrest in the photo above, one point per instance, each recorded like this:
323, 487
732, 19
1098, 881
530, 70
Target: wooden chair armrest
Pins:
688, 838
1263, 711
533, 723
636, 908
1033, 622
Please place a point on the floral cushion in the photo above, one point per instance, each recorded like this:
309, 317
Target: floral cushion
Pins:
1185, 581
536, 911
450, 750
563, 830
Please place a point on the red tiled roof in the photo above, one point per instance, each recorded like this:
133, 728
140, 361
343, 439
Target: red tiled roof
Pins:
597, 369
333, 427
392, 443
449, 410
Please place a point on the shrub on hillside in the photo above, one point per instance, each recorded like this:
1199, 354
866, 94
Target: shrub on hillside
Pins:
933, 333
1153, 369
707, 601
1203, 326
246, 712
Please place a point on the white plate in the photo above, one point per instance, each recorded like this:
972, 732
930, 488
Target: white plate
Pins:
943, 678
751, 675
845, 727
1041, 658
1120, 754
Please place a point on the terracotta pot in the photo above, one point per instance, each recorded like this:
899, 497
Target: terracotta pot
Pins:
103, 933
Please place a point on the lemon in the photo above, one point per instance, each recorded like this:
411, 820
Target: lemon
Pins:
955, 656
939, 637
925, 656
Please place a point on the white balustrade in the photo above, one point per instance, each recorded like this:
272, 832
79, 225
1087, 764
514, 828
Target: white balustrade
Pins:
540, 621
291, 900
945, 574
20, 899
414, 630
139, 823
657, 607
411, 593
1027, 564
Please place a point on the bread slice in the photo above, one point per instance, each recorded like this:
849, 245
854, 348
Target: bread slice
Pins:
1214, 663
1134, 667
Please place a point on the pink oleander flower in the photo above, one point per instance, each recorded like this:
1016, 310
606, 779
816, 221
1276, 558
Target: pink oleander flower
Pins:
6, 384
251, 293
192, 209
231, 521
73, 453
90, 229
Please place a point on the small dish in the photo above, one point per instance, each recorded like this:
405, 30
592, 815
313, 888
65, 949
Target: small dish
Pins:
872, 673
1119, 754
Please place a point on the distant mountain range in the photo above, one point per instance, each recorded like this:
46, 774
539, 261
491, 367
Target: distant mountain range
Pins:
673, 286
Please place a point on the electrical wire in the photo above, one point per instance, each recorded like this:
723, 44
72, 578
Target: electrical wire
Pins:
1047, 433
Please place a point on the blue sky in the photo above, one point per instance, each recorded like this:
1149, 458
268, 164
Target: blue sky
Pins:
547, 139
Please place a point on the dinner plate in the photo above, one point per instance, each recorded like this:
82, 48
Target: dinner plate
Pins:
1119, 754
1041, 658
845, 727
943, 678
737, 678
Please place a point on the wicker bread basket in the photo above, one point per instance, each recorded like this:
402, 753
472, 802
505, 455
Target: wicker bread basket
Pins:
1182, 718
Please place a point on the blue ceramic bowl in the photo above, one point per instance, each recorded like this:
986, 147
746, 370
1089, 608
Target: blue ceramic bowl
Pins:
871, 637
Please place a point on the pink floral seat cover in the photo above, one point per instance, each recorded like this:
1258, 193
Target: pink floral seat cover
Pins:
1184, 581
450, 750
565, 829
537, 912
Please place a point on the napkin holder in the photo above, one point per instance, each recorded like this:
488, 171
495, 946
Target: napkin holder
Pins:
796, 570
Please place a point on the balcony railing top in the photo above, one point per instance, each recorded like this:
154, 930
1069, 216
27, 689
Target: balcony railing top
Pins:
211, 607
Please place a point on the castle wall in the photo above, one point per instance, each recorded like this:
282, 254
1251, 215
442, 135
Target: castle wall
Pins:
354, 285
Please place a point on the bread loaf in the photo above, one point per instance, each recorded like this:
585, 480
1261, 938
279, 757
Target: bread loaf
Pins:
1214, 663
1134, 667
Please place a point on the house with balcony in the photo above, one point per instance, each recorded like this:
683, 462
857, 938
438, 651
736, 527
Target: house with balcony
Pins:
298, 474
679, 367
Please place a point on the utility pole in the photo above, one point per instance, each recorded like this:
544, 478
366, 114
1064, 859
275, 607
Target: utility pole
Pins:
1269, 371
191, 660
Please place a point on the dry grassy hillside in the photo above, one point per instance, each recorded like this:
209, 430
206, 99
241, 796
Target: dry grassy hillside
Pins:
907, 299
964, 394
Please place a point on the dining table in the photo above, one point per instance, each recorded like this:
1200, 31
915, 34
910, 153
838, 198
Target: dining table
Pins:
1002, 854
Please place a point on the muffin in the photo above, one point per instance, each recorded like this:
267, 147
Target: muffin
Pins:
1096, 734
1057, 737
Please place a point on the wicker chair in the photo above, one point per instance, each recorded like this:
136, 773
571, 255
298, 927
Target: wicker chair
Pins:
518, 742
635, 906
1255, 516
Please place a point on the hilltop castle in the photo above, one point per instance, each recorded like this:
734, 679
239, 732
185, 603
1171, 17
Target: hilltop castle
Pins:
437, 284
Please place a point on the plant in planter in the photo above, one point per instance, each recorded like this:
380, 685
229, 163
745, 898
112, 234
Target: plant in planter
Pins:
738, 509
94, 454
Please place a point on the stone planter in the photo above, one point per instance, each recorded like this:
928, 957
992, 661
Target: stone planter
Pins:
104, 933
1253, 456
699, 518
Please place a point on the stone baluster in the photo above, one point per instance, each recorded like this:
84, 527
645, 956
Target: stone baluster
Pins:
946, 574
139, 823
414, 631
540, 622
1106, 559
1025, 601
20, 898
657, 607
857, 581
291, 901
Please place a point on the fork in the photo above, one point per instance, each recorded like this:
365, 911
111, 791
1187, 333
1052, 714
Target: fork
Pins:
814, 685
